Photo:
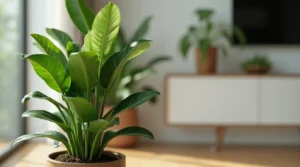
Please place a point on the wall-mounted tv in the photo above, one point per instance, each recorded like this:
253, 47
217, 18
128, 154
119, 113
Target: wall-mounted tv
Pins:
268, 21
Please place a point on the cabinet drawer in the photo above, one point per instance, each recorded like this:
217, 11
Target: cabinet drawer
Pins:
208, 100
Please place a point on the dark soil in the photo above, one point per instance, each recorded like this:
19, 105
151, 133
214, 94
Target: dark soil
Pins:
71, 159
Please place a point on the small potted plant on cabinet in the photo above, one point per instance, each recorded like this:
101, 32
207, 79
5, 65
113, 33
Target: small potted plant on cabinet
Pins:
259, 64
207, 38
127, 81
76, 75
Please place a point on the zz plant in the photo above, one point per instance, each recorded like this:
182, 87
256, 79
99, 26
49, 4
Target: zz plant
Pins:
78, 73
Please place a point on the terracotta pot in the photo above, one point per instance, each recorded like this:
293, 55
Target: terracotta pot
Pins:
255, 69
120, 162
208, 65
127, 118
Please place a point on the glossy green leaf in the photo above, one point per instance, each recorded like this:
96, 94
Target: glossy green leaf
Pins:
204, 45
51, 71
142, 29
240, 35
158, 59
73, 47
37, 45
61, 37
104, 31
48, 134
114, 65
40, 95
121, 39
109, 67
83, 109
133, 100
45, 115
129, 131
153, 100
98, 126
83, 68
204, 14
50, 48
209, 27
185, 45
81, 15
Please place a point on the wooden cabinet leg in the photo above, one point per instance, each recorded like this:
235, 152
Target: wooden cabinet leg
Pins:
220, 133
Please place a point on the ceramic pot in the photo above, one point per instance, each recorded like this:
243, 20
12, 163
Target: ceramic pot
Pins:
120, 162
208, 65
256, 69
127, 118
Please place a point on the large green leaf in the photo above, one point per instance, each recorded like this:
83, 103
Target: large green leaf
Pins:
98, 126
51, 71
62, 37
185, 45
83, 68
129, 131
83, 109
48, 134
50, 48
114, 65
240, 35
204, 14
45, 115
40, 95
132, 101
81, 15
158, 59
204, 45
142, 30
73, 47
104, 30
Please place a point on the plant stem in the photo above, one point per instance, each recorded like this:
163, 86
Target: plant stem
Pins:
72, 140
80, 139
95, 145
63, 115
103, 104
86, 143
97, 98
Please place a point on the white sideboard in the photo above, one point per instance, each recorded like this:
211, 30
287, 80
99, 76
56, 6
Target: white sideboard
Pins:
232, 100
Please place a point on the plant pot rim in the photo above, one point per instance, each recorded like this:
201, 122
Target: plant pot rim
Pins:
121, 157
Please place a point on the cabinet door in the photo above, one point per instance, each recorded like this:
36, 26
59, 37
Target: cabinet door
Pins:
280, 101
210, 100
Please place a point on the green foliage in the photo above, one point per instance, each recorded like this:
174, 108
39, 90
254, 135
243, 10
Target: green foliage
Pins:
83, 71
62, 37
130, 76
259, 60
206, 34
81, 15
50, 69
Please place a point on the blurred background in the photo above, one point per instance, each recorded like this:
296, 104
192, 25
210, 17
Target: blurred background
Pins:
244, 91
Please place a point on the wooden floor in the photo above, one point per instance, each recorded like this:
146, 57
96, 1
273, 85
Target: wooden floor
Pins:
4, 145
171, 155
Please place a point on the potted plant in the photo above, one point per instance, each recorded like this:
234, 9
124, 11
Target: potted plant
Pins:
76, 76
259, 64
127, 82
207, 38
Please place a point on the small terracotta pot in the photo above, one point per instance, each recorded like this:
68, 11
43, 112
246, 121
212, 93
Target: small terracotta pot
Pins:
120, 162
127, 118
255, 69
208, 65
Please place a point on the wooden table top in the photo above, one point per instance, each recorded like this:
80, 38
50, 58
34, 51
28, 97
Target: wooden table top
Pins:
177, 155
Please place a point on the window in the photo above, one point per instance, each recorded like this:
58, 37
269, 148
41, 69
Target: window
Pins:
12, 71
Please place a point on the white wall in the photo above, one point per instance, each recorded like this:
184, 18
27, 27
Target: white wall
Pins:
171, 18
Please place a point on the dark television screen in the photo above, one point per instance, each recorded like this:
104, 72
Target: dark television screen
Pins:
268, 21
